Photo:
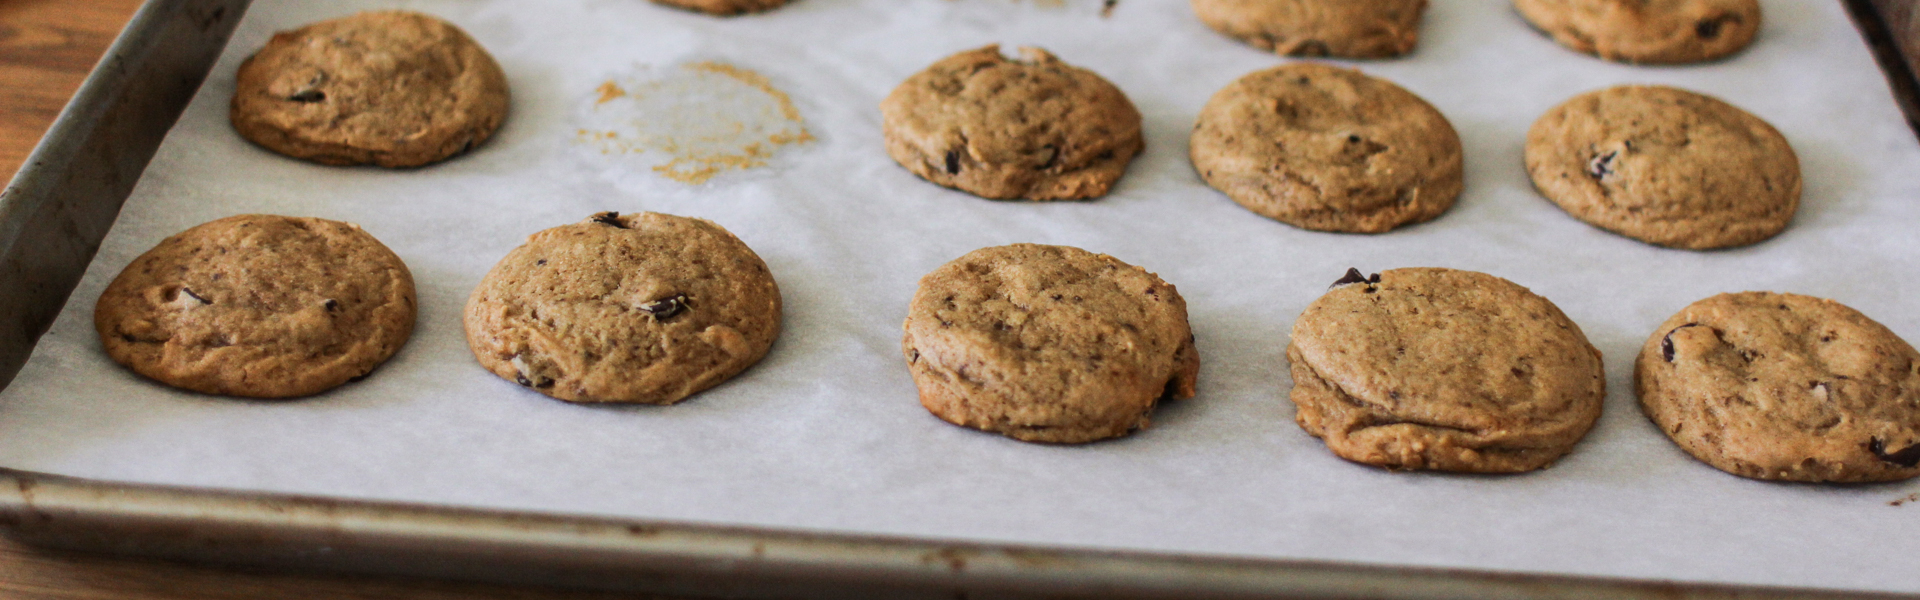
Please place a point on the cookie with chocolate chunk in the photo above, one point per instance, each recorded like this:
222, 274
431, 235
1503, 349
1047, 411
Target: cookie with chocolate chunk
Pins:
999, 128
1443, 370
388, 88
641, 308
1343, 28
1048, 343
1329, 149
1784, 386
725, 8
260, 306
1647, 31
1665, 166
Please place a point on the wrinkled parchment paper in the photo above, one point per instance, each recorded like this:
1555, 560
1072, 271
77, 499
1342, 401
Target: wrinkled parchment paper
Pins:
826, 433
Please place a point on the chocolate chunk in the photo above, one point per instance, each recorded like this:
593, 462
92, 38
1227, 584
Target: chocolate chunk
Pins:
666, 309
1666, 343
1908, 457
953, 162
308, 96
1710, 28
608, 218
1353, 276
189, 292
1601, 166
331, 304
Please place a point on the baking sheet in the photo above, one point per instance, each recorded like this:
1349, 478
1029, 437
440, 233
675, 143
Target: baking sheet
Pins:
826, 435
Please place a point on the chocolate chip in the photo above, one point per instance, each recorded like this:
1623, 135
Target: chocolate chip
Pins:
1710, 28
359, 378
953, 162
542, 262
1666, 343
522, 380
608, 218
1908, 457
1601, 166
308, 96
1353, 276
331, 305
189, 292
1353, 139
665, 309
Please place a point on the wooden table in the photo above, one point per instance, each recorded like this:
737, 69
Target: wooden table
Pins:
46, 49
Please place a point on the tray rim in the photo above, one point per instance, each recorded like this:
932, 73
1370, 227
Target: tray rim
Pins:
440, 541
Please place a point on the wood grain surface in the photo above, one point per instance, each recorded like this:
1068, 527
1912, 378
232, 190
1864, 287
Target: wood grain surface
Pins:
46, 49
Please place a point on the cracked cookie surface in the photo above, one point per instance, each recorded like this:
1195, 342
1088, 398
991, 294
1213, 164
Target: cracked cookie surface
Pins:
725, 8
1343, 28
1048, 343
1784, 386
1665, 166
1647, 31
1441, 369
999, 128
641, 308
1328, 149
259, 306
389, 88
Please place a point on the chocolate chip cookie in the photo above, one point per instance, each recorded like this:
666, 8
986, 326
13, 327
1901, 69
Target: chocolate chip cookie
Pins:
1647, 31
1048, 343
999, 128
259, 306
725, 8
1329, 149
389, 88
1665, 166
1784, 386
1444, 370
1344, 28
641, 308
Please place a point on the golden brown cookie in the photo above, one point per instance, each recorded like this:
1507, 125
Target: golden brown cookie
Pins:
1665, 166
1344, 28
1443, 370
725, 7
260, 306
1328, 149
643, 308
1783, 386
1647, 31
1048, 343
390, 88
999, 128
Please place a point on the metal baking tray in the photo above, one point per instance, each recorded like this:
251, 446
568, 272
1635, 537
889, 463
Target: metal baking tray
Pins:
56, 211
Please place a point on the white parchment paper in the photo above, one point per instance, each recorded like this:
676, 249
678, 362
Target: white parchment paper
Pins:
826, 433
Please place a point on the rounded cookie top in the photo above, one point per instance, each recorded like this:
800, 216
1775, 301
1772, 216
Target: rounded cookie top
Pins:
725, 7
1445, 370
1048, 343
999, 128
1783, 386
1665, 166
642, 308
390, 88
1329, 149
1647, 31
1345, 28
260, 306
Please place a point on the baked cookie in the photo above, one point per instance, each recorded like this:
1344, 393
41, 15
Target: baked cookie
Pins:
724, 7
1666, 167
1647, 31
390, 88
1048, 343
1783, 386
1443, 370
1344, 28
260, 306
1328, 149
999, 128
643, 308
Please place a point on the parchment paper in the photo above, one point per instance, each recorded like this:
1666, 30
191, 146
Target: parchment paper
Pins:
826, 433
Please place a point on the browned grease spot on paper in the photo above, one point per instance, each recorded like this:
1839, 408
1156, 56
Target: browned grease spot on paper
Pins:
705, 118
